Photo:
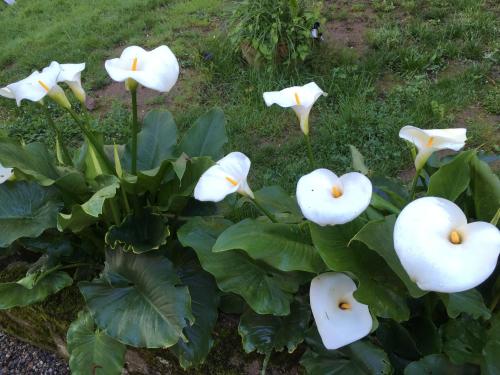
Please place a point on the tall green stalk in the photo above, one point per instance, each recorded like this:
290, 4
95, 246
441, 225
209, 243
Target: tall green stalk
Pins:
309, 151
263, 210
135, 130
65, 154
414, 185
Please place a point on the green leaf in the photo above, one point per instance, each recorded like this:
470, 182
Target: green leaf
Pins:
33, 160
138, 300
469, 302
378, 286
207, 136
395, 338
91, 350
177, 190
359, 358
434, 364
286, 247
141, 232
266, 290
485, 190
155, 142
358, 161
378, 236
275, 200
28, 209
453, 178
425, 334
464, 340
204, 302
148, 180
14, 294
266, 333
86, 214
490, 364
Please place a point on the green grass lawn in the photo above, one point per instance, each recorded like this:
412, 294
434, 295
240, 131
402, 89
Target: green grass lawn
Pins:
431, 63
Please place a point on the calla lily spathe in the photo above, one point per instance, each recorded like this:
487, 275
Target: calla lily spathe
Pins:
429, 141
341, 320
440, 251
227, 176
5, 173
71, 75
157, 69
299, 98
326, 199
37, 86
7, 93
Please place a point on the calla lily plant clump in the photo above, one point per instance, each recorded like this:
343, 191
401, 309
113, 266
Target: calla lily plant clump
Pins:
371, 276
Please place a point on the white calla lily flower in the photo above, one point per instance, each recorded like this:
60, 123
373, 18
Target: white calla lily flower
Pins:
71, 75
157, 69
7, 93
440, 251
341, 320
38, 85
431, 140
227, 176
299, 98
5, 173
326, 199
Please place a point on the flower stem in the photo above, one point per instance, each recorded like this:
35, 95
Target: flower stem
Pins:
309, 151
91, 139
66, 157
495, 219
135, 130
414, 185
264, 211
265, 363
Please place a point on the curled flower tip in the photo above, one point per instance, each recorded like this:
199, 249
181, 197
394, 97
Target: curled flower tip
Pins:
440, 251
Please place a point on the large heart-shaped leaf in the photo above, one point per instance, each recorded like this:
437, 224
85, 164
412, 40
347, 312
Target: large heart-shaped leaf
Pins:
485, 190
91, 350
452, 179
435, 364
490, 364
470, 302
464, 340
275, 200
28, 209
359, 358
86, 214
265, 289
139, 232
378, 236
378, 286
33, 160
207, 136
266, 333
155, 142
139, 300
14, 294
204, 302
286, 247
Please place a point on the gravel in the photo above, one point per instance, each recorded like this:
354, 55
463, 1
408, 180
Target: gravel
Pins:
20, 358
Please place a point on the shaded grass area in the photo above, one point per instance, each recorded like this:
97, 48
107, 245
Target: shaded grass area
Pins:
425, 63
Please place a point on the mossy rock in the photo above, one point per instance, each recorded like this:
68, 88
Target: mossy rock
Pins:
45, 324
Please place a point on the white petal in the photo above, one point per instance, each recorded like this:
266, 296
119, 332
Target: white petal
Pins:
71, 73
213, 185
414, 135
338, 327
304, 96
157, 69
421, 240
314, 195
7, 93
5, 174
236, 165
453, 139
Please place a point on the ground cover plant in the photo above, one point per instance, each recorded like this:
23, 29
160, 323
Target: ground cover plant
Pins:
373, 275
